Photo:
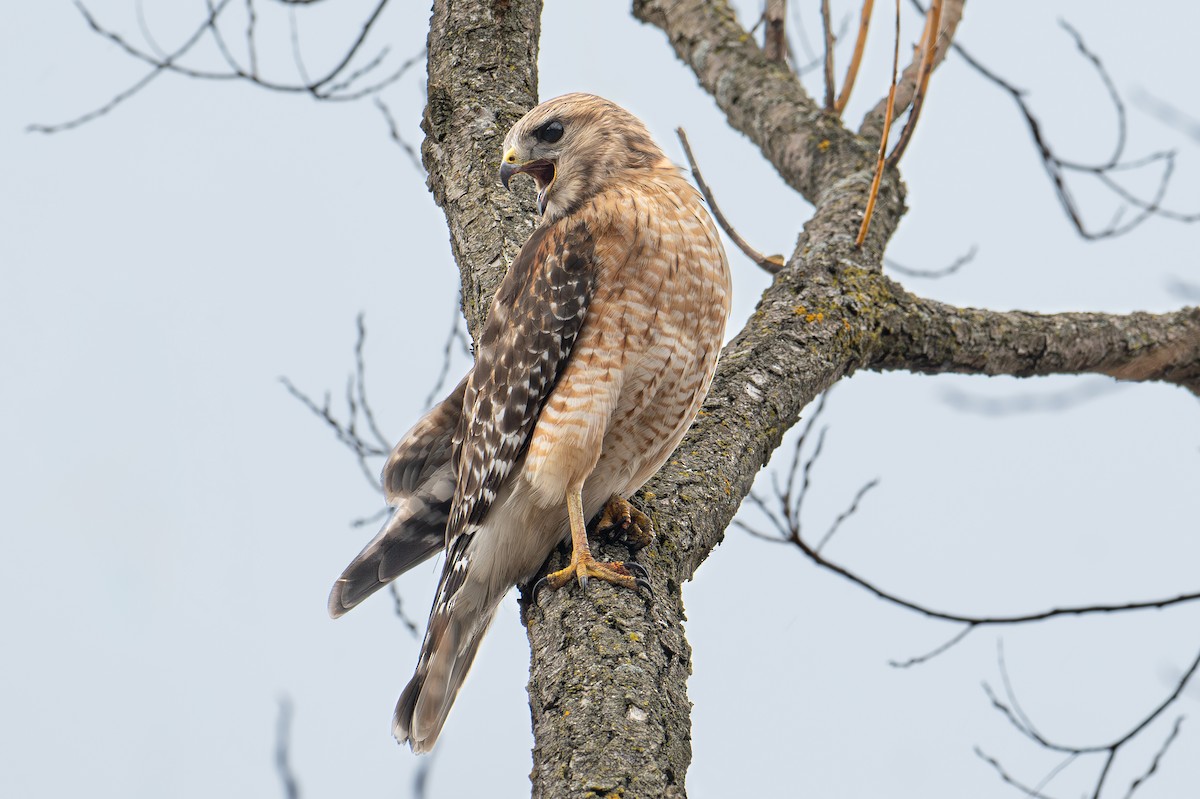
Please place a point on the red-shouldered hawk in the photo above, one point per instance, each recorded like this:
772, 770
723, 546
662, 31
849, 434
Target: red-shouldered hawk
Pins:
598, 350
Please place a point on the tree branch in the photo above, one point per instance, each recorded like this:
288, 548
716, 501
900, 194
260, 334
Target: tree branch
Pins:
910, 79
760, 98
930, 337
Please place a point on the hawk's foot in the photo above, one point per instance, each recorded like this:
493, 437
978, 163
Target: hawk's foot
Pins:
626, 574
620, 519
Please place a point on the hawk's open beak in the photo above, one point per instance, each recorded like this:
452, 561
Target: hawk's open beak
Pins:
507, 170
542, 172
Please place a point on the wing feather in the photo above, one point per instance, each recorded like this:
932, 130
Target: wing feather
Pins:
527, 342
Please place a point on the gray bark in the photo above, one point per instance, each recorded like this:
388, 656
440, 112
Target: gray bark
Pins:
608, 670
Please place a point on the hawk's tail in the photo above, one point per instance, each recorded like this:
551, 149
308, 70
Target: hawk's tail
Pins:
446, 655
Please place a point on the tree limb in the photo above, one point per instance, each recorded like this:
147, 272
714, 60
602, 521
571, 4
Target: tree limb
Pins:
926, 336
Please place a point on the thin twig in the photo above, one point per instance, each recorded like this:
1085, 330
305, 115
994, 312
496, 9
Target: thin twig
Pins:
394, 132
916, 660
398, 607
283, 736
1058, 169
159, 68
830, 96
955, 265
883, 139
860, 45
1013, 712
933, 33
456, 334
770, 263
774, 33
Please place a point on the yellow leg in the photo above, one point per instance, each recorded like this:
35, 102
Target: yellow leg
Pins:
583, 565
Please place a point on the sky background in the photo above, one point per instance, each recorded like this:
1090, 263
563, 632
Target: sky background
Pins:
172, 520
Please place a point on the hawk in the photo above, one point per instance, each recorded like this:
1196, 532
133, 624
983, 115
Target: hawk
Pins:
597, 352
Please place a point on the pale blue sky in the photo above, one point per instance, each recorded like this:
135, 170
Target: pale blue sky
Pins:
172, 520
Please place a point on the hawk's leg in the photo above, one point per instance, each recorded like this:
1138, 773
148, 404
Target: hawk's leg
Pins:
621, 519
583, 566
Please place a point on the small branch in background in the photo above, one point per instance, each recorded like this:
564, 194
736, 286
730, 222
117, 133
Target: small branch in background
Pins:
784, 511
457, 335
372, 520
1012, 710
1058, 169
1168, 114
910, 78
930, 39
945, 271
1032, 402
940, 649
774, 32
830, 41
420, 783
1188, 292
283, 737
398, 607
770, 263
347, 432
860, 44
394, 132
341, 83
883, 139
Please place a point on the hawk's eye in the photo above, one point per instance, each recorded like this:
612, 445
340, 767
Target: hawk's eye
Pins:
550, 132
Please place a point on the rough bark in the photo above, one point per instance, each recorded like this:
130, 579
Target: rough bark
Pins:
482, 69
608, 672
921, 335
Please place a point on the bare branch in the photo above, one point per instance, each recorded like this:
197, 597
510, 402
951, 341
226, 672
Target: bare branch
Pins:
942, 648
394, 132
955, 265
356, 402
283, 736
456, 335
335, 85
769, 263
1031, 402
860, 45
929, 337
909, 83
830, 97
774, 31
1058, 169
160, 66
1167, 113
1158, 756
1109, 751
398, 607
883, 139
931, 41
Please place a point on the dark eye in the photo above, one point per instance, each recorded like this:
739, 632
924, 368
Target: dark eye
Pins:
550, 132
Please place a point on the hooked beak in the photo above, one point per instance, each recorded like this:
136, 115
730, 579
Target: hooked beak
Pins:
542, 172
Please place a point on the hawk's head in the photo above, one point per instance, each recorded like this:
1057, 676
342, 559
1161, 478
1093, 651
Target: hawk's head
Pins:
574, 146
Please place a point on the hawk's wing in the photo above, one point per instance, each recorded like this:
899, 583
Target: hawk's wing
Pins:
526, 343
418, 481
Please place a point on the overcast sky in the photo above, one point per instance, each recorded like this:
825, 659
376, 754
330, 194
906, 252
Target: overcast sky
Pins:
172, 520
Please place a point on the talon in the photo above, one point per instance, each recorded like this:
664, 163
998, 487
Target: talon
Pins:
642, 582
538, 586
637, 569
635, 526
583, 579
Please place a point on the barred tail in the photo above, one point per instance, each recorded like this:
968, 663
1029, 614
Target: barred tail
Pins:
446, 655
